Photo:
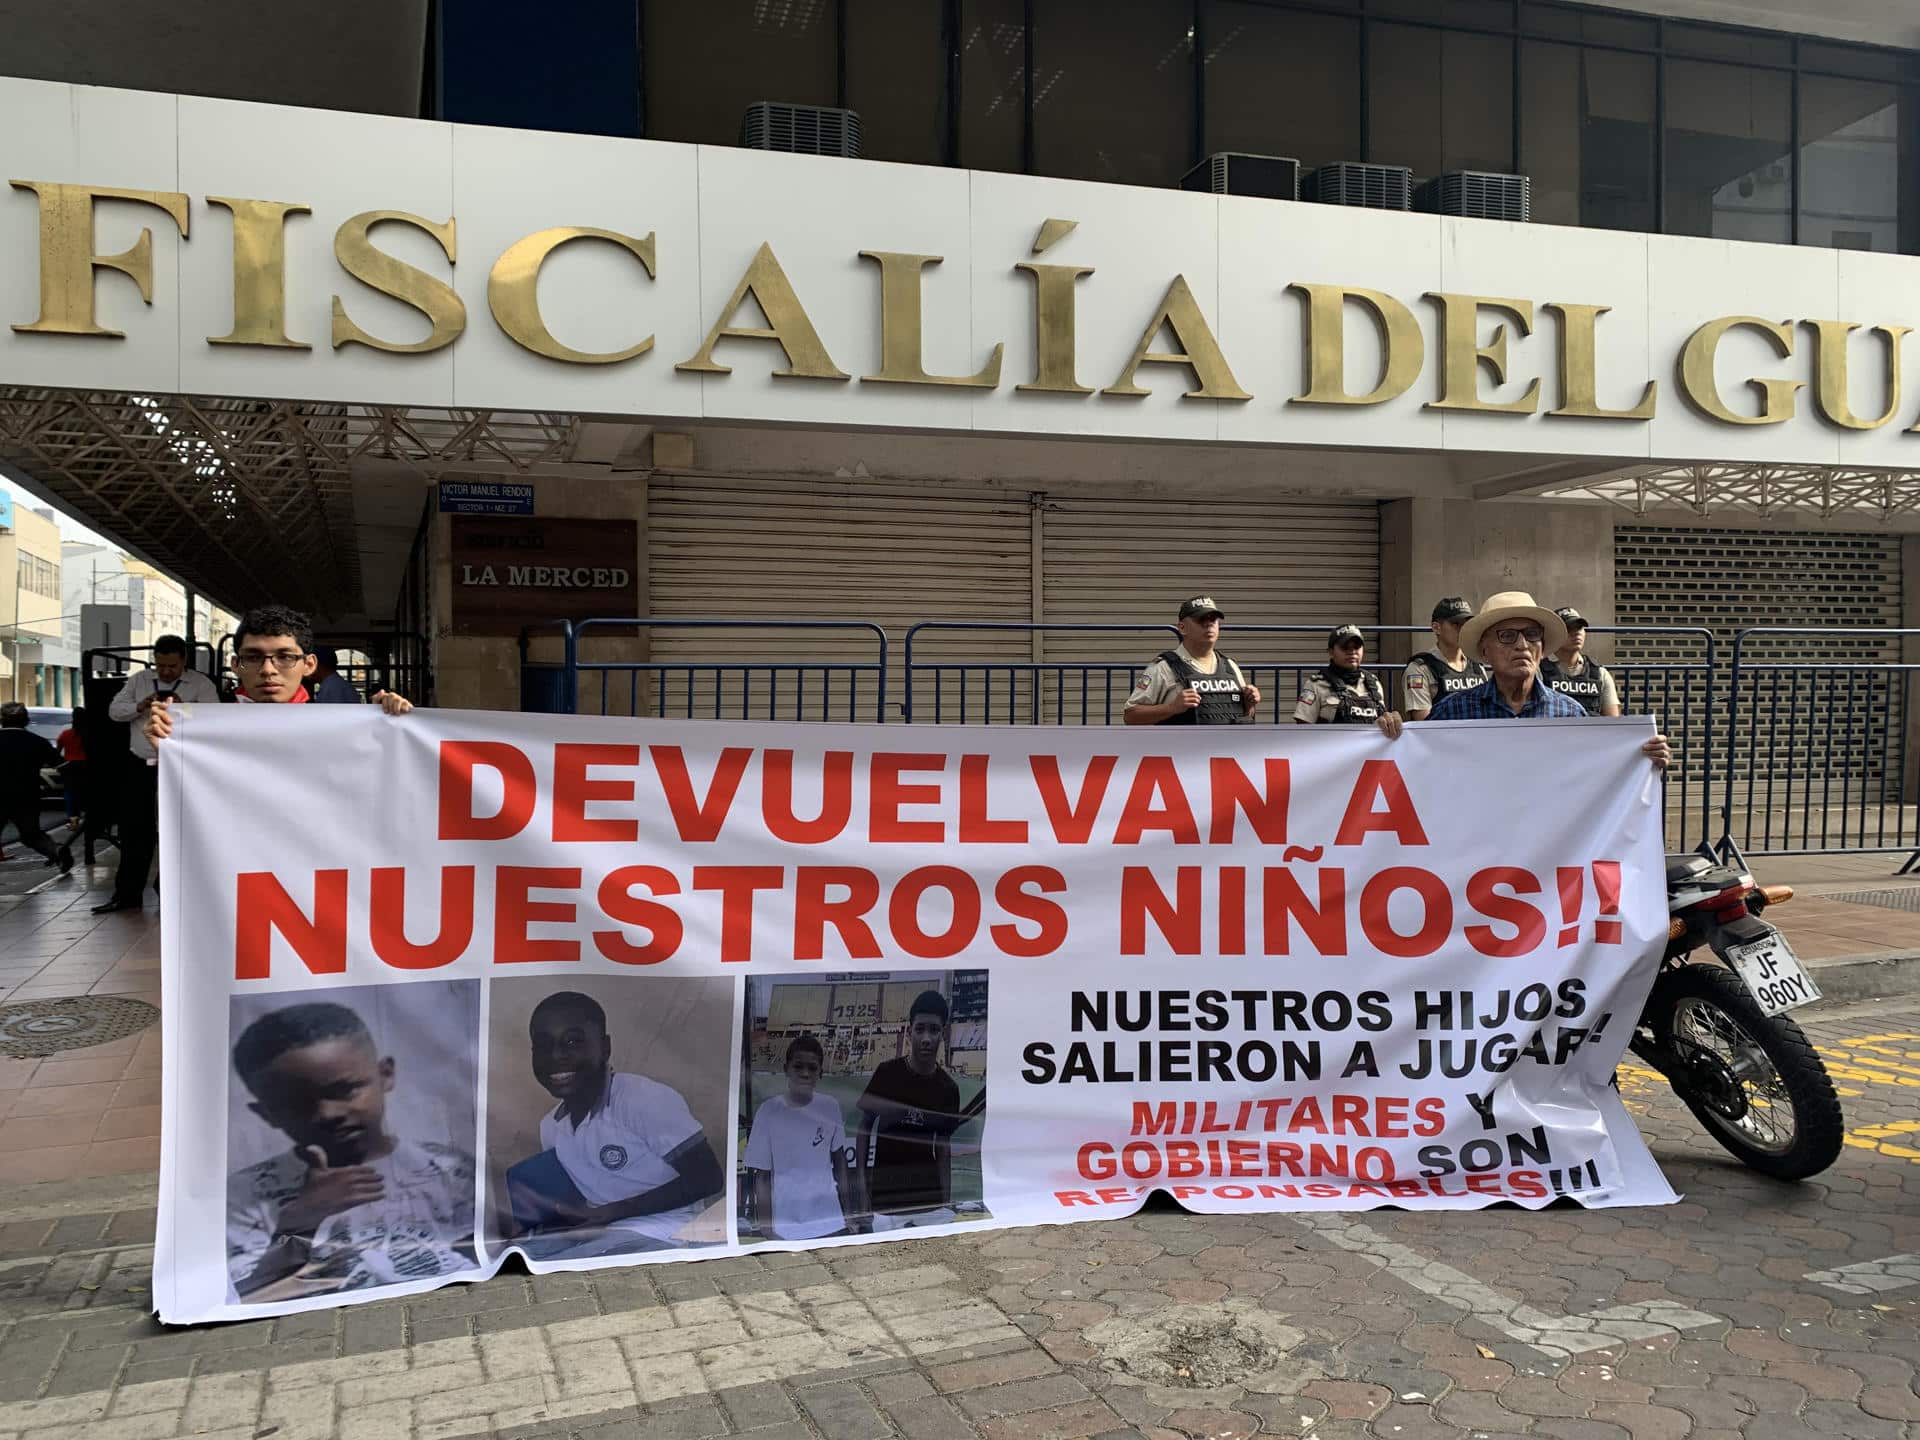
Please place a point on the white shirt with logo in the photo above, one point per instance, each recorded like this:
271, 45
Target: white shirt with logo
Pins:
620, 1150
797, 1144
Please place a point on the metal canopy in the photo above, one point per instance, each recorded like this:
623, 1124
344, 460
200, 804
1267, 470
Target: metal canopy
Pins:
1765, 492
246, 499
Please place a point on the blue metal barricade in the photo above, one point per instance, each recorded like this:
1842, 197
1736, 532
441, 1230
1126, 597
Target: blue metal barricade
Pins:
948, 682
1816, 753
773, 689
1082, 674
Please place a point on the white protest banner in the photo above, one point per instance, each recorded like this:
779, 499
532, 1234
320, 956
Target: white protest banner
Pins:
614, 991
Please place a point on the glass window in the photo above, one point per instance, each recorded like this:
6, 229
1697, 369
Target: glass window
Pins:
1486, 14
1727, 151
897, 79
1859, 60
1717, 42
1113, 90
576, 71
993, 80
707, 63
1439, 100
1587, 128
1855, 147
1282, 82
1536, 19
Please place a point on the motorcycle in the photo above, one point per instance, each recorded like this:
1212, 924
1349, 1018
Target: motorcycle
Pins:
1720, 1033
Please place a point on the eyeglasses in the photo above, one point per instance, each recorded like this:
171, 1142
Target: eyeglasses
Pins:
279, 659
1512, 636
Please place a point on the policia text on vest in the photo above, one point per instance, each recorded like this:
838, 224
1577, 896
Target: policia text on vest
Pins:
1222, 700
1590, 687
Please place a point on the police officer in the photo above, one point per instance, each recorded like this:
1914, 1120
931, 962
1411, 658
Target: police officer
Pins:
1570, 672
1193, 683
1434, 674
1343, 693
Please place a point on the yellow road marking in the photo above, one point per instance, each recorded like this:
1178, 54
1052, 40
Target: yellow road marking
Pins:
1842, 1065
1877, 1139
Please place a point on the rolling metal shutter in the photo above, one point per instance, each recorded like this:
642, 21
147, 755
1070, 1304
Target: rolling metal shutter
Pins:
892, 553
1816, 751
1733, 580
899, 553
1267, 562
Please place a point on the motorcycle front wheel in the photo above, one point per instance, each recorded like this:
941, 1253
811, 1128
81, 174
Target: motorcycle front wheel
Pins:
1750, 1078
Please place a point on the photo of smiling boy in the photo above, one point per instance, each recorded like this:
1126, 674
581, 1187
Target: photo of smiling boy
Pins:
350, 1204
623, 1157
797, 1154
908, 1114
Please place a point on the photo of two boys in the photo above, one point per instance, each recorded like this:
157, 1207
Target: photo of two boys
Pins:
863, 1099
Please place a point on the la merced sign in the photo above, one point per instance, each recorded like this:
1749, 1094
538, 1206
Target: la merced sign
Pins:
171, 244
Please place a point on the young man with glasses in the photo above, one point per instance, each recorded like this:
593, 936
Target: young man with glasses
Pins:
147, 691
272, 655
1512, 634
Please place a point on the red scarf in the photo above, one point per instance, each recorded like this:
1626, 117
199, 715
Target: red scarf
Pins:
300, 697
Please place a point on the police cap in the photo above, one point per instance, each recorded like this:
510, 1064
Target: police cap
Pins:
1201, 607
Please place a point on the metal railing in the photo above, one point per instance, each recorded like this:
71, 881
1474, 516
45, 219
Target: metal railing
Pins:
1084, 688
104, 662
774, 689
1799, 744
1816, 744
1678, 692
393, 660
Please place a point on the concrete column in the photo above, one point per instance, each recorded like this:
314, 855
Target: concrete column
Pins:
1561, 554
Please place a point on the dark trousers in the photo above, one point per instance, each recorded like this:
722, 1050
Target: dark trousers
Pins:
24, 816
139, 829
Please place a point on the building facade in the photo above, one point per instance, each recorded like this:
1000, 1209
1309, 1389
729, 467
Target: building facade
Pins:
550, 351
38, 668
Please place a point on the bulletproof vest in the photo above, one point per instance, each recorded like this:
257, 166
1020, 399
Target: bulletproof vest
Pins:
1584, 687
1220, 698
1447, 680
1357, 707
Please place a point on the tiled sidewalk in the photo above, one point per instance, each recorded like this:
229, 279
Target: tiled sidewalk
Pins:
85, 1112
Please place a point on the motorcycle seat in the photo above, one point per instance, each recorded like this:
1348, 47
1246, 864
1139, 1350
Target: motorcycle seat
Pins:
1686, 867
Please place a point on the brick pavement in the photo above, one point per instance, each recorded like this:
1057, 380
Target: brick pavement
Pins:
1743, 1319
1750, 1309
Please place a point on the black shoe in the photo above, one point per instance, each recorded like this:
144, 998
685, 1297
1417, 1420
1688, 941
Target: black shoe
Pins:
116, 904
66, 859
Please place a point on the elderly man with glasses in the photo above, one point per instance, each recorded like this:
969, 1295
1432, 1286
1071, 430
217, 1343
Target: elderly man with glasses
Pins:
1512, 634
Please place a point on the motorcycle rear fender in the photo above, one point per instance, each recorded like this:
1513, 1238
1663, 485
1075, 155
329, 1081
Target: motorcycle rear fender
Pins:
1741, 930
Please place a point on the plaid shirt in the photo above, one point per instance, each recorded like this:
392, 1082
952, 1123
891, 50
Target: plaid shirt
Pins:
1484, 702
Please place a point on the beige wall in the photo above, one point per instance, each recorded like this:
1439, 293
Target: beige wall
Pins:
482, 672
1561, 554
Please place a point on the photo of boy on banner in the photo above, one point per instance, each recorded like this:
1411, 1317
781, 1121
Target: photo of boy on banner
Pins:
616, 1159
376, 1187
859, 1095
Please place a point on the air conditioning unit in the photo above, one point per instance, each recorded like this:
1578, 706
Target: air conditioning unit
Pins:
1376, 187
1477, 194
801, 129
1272, 177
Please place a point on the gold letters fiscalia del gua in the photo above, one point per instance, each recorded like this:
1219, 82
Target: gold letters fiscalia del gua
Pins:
1175, 331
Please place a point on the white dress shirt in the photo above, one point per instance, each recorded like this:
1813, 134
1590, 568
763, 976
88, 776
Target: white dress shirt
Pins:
192, 686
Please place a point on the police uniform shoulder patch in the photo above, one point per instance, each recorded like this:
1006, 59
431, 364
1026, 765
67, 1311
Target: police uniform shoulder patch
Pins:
1309, 696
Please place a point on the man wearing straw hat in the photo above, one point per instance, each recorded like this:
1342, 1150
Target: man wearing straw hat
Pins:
1512, 635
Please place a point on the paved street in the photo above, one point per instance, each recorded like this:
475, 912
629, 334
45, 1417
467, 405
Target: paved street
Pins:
1750, 1309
